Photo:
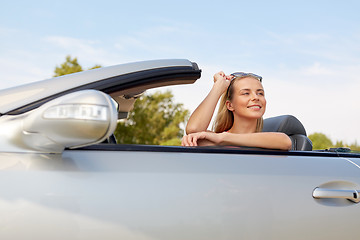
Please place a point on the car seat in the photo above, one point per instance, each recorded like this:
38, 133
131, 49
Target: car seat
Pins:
291, 126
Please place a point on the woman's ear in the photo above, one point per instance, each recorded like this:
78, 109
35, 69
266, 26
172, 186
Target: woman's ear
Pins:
229, 106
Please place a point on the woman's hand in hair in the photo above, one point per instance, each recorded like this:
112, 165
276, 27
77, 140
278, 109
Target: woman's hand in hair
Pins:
200, 119
222, 81
221, 76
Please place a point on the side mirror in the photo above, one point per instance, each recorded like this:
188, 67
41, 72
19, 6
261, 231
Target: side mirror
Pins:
73, 120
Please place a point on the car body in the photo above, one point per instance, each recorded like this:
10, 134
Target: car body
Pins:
59, 181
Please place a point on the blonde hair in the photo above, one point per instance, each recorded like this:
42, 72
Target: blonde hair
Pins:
225, 118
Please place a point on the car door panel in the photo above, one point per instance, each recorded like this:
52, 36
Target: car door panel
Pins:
163, 195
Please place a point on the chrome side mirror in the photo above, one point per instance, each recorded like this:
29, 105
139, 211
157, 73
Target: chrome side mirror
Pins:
73, 120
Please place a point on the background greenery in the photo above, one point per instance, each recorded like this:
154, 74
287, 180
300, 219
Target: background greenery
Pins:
321, 141
155, 119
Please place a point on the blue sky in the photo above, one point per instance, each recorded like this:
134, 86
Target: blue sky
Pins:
308, 52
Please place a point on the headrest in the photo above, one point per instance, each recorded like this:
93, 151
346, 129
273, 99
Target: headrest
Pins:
287, 124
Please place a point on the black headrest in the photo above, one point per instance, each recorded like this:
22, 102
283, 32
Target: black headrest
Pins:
287, 124
291, 126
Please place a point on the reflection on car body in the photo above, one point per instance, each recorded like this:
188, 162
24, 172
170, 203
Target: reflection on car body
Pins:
60, 182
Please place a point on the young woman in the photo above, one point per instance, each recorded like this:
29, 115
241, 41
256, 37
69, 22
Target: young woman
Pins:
239, 119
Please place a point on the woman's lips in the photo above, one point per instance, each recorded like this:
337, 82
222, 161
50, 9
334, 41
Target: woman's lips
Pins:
255, 107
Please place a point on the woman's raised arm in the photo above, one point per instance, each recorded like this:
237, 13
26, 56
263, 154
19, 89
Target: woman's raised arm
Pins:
200, 119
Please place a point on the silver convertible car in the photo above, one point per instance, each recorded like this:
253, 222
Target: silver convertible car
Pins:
59, 179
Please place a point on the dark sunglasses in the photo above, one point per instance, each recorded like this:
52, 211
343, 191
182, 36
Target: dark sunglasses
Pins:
242, 74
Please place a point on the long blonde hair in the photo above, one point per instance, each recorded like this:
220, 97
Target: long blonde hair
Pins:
225, 118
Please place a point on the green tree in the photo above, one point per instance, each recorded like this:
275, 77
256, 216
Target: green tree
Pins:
155, 120
354, 146
320, 141
70, 66
339, 144
96, 66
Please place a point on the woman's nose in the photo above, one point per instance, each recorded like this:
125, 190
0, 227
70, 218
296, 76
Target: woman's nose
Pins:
255, 96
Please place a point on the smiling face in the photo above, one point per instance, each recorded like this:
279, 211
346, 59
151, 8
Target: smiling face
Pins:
247, 98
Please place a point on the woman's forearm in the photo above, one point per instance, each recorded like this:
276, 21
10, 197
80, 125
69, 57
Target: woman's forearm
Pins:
271, 140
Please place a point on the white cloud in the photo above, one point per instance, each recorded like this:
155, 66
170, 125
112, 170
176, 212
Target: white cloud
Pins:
132, 42
85, 50
6, 32
68, 42
162, 41
326, 102
301, 47
20, 69
317, 69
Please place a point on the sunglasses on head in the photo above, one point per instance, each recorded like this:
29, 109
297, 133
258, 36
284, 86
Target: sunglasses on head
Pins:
242, 74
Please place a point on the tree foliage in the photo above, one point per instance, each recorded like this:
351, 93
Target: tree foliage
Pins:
70, 65
155, 119
320, 141
353, 146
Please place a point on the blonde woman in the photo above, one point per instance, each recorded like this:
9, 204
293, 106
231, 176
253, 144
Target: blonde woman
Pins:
239, 119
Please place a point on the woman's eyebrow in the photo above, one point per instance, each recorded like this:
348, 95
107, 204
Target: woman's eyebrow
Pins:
248, 89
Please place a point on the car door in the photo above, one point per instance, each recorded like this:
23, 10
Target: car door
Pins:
203, 195
153, 192
353, 158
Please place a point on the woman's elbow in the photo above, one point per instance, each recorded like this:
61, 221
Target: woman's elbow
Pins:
192, 128
282, 141
287, 143
189, 129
